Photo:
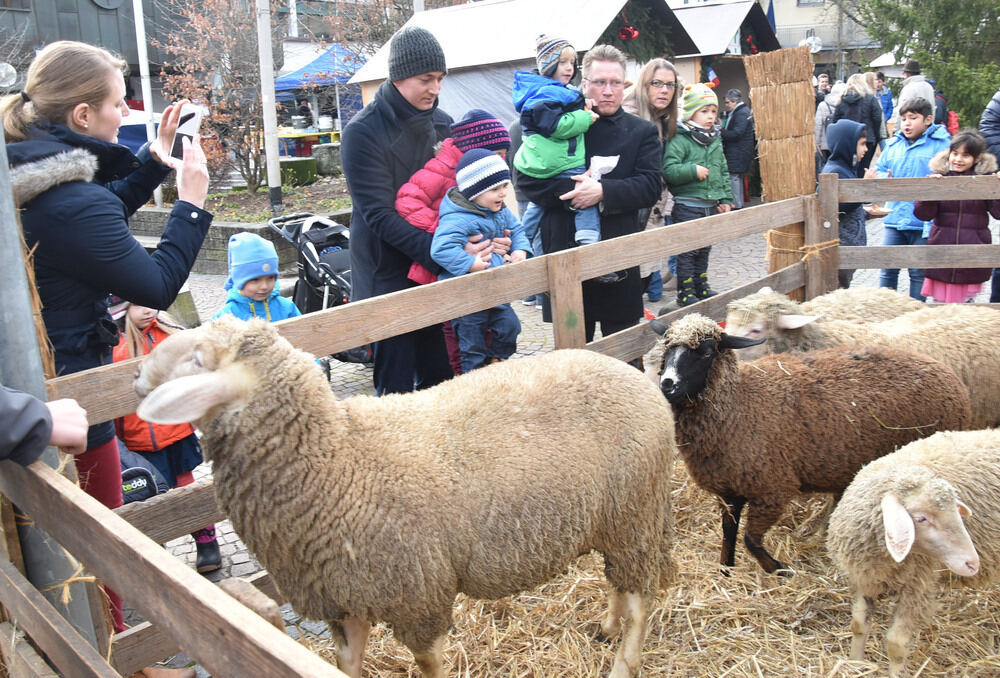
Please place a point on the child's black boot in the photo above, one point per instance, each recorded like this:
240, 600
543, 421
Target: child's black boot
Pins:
209, 557
685, 293
701, 288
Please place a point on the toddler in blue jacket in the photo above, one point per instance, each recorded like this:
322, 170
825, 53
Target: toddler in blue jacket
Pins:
476, 206
252, 283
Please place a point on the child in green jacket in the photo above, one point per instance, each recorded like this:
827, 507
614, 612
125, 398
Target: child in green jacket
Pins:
698, 177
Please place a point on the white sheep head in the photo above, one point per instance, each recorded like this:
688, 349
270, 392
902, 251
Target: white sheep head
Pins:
762, 315
196, 374
926, 517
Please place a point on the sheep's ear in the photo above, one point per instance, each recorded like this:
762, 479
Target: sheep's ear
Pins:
899, 533
963, 508
765, 290
658, 326
185, 399
729, 341
794, 322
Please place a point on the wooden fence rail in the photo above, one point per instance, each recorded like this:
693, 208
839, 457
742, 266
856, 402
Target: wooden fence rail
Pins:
187, 611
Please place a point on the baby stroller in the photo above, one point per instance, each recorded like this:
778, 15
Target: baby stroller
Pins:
323, 267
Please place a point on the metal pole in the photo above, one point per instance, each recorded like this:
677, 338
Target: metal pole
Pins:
46, 562
293, 18
147, 90
267, 106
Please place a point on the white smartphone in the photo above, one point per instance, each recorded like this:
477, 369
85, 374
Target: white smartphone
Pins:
187, 126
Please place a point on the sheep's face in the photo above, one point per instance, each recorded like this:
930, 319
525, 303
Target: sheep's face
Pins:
195, 374
684, 373
929, 521
763, 316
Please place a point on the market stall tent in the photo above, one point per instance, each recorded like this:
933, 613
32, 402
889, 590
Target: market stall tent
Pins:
332, 66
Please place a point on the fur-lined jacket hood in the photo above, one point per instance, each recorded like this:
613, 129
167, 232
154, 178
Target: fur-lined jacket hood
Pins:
55, 155
987, 164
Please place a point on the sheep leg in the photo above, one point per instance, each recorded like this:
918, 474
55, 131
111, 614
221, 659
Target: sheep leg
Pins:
617, 609
431, 662
731, 509
629, 657
916, 607
762, 517
350, 635
861, 623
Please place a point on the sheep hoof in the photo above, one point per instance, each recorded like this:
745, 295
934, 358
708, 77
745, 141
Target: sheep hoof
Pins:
598, 634
725, 571
783, 571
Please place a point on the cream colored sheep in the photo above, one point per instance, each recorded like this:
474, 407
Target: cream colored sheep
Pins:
899, 524
859, 304
370, 509
964, 337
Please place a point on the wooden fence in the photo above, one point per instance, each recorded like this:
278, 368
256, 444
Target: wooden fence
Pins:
187, 611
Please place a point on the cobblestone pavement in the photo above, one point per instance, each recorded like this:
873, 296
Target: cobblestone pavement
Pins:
731, 264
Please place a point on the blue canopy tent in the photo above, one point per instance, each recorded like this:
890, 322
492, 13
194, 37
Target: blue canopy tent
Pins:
334, 67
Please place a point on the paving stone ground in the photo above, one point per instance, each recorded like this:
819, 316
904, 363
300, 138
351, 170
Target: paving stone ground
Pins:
731, 264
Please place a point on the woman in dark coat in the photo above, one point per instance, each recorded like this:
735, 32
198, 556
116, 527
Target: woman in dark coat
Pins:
860, 105
76, 187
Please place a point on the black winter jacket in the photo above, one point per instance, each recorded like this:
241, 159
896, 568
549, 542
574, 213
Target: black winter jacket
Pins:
634, 184
864, 109
76, 194
381, 148
989, 124
737, 140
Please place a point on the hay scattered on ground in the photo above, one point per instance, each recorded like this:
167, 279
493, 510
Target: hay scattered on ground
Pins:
747, 624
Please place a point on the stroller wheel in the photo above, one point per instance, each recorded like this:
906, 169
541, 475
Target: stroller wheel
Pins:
324, 364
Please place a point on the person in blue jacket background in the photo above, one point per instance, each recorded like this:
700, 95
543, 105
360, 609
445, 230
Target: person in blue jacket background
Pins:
253, 281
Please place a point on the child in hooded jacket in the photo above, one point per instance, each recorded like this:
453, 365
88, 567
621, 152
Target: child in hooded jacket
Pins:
252, 282
959, 222
173, 449
848, 145
554, 119
476, 206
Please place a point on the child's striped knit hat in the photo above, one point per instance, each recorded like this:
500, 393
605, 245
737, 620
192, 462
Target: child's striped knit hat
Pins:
479, 129
478, 171
548, 50
695, 98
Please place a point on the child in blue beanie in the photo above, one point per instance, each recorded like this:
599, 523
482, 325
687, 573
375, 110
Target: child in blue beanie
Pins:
252, 283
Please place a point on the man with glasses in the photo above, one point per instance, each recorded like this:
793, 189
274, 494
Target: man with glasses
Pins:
737, 143
633, 183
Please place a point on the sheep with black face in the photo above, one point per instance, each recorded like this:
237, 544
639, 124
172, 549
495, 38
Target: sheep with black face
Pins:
758, 434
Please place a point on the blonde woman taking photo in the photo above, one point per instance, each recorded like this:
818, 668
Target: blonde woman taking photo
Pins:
76, 188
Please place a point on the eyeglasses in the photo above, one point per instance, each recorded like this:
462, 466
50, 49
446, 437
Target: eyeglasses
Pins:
601, 84
659, 84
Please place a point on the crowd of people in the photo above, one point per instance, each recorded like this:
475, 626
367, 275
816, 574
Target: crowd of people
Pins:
862, 132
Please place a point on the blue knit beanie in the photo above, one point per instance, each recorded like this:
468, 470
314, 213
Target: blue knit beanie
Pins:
250, 256
478, 171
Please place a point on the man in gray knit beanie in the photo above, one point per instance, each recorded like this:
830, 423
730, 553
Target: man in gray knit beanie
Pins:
413, 51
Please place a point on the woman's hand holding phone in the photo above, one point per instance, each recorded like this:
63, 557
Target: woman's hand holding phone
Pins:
160, 148
192, 173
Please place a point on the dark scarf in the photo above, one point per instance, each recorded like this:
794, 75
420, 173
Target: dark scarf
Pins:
701, 136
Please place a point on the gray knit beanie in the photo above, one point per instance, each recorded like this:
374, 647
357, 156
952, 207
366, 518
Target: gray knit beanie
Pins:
413, 51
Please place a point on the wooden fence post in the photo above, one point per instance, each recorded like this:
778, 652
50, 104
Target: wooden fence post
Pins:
821, 246
566, 295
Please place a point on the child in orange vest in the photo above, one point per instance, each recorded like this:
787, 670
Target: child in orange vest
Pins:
173, 449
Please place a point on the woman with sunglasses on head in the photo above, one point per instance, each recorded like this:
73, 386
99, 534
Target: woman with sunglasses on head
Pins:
76, 187
652, 98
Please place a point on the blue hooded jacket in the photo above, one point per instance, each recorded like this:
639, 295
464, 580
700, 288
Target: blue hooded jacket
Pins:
553, 122
907, 159
272, 309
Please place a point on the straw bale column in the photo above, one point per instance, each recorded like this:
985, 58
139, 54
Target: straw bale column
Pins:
784, 112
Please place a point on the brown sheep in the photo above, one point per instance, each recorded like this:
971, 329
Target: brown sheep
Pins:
761, 433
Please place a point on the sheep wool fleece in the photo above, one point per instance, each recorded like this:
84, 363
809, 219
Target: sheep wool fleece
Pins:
394, 524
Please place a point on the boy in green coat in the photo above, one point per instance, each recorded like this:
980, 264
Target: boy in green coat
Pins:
698, 177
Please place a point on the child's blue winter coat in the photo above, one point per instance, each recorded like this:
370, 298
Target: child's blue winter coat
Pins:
272, 309
462, 218
910, 160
